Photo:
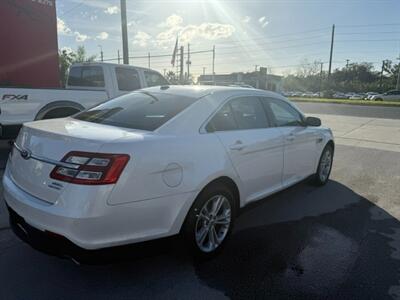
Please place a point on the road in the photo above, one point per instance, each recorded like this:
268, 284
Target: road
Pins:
350, 110
340, 241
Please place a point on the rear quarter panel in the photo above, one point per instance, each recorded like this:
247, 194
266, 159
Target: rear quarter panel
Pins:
166, 166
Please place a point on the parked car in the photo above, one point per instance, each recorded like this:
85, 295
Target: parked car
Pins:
357, 97
369, 95
339, 95
158, 162
388, 96
88, 84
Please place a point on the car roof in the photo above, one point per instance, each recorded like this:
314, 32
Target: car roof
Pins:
199, 91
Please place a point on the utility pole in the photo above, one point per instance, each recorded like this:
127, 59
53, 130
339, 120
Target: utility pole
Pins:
181, 66
347, 63
148, 57
125, 50
188, 62
331, 54
381, 79
320, 79
255, 67
398, 75
101, 52
119, 57
204, 70
213, 65
165, 71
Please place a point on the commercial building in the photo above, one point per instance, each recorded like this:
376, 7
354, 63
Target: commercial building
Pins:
29, 49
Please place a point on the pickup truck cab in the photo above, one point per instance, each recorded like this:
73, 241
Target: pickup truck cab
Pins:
88, 84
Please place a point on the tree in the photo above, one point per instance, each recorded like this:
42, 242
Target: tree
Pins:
67, 57
172, 78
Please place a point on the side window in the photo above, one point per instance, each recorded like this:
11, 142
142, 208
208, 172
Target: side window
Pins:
222, 121
91, 76
127, 79
249, 113
284, 114
154, 79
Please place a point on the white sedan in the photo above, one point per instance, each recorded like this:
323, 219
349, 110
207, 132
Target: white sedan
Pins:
158, 162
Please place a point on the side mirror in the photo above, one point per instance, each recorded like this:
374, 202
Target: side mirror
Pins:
313, 121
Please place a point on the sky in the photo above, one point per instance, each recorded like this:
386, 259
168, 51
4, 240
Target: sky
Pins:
280, 35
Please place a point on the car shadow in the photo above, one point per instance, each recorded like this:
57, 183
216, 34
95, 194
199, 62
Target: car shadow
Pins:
305, 242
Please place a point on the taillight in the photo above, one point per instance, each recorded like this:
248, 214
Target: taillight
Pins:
91, 168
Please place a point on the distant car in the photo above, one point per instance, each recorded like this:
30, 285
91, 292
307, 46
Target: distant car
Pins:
339, 95
158, 162
369, 95
357, 97
392, 95
242, 86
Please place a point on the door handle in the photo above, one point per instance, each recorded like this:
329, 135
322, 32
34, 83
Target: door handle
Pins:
237, 146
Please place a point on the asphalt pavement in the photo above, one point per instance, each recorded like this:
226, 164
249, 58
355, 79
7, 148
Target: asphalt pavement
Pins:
339, 241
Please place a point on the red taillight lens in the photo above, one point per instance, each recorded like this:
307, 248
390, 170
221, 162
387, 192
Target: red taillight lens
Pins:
92, 168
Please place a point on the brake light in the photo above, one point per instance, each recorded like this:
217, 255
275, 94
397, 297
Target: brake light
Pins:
91, 168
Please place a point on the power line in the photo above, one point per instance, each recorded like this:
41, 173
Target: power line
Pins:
73, 8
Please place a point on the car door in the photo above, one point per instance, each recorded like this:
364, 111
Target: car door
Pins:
300, 141
253, 145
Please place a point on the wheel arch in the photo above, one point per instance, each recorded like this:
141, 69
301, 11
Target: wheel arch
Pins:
57, 104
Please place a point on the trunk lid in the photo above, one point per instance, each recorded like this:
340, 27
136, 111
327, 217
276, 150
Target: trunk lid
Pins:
52, 140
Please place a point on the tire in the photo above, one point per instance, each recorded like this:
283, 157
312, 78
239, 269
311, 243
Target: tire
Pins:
202, 227
324, 166
60, 112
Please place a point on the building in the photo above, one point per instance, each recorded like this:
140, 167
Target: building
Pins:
29, 48
257, 79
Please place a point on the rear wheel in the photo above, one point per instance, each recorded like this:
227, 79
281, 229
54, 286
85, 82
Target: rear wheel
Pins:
60, 112
210, 220
324, 165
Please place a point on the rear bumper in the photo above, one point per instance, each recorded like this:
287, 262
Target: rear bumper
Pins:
91, 223
9, 131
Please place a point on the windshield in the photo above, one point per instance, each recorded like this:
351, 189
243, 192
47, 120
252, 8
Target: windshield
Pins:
139, 110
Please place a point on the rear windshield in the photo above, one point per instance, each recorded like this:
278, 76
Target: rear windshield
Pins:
137, 110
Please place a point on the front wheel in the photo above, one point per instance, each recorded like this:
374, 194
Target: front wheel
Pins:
210, 221
324, 166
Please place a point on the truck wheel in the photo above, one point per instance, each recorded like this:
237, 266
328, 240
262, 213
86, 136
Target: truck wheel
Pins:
60, 112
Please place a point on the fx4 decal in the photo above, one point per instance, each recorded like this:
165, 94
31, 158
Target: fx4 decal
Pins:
14, 97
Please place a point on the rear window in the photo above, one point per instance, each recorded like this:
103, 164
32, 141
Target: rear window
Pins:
154, 79
127, 79
137, 110
86, 76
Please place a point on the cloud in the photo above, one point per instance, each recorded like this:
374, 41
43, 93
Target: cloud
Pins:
62, 27
141, 38
263, 21
102, 35
111, 10
79, 37
93, 17
246, 19
172, 21
174, 27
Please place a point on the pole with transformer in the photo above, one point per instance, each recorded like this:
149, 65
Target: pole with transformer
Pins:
124, 27
213, 65
331, 53
181, 66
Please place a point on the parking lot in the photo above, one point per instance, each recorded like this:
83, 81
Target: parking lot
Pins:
340, 241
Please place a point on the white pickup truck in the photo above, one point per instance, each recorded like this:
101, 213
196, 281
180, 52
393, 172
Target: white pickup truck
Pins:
88, 84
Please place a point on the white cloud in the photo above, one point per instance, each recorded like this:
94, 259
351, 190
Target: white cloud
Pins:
141, 38
111, 10
187, 33
246, 19
79, 37
102, 35
93, 17
172, 21
263, 21
62, 28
